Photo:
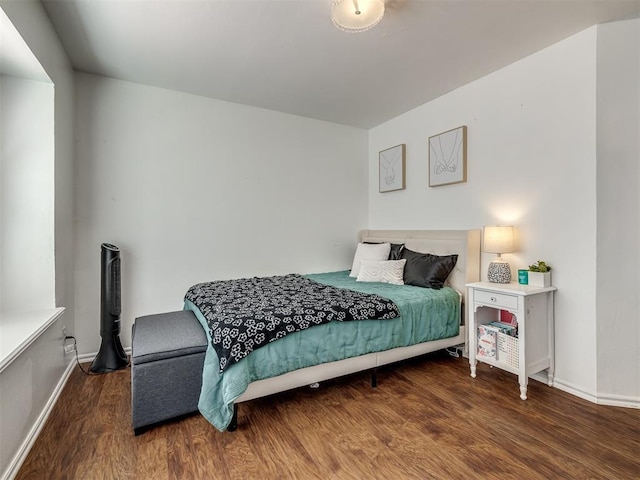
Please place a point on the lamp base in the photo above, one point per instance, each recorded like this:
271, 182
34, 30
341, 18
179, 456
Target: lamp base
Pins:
499, 272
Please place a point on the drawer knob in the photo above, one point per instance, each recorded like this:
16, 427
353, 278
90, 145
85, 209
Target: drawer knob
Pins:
494, 299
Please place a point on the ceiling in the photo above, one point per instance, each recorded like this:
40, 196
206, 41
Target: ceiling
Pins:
286, 55
16, 60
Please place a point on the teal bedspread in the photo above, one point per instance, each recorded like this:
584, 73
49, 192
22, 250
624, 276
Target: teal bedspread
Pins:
426, 315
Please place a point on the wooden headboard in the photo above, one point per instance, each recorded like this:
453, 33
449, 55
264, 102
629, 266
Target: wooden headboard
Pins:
466, 243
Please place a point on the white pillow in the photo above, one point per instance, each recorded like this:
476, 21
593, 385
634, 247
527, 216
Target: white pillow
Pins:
389, 271
369, 251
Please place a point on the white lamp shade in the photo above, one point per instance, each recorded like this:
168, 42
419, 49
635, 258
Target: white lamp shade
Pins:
356, 15
499, 239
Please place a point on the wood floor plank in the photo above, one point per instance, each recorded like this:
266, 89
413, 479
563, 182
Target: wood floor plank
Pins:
151, 460
427, 419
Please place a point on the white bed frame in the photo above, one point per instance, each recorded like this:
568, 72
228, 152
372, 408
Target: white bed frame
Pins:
466, 243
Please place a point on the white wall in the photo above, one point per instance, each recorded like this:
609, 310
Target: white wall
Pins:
531, 163
33, 378
35, 28
618, 184
193, 189
27, 213
27, 385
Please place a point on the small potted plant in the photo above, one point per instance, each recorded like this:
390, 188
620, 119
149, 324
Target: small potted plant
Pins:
540, 274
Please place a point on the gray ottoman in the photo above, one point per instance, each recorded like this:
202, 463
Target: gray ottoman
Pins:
167, 355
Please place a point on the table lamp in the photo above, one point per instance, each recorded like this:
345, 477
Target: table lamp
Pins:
499, 239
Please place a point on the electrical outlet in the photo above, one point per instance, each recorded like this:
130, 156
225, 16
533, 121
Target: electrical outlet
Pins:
68, 342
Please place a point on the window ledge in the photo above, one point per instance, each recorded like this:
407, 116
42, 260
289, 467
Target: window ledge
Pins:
18, 330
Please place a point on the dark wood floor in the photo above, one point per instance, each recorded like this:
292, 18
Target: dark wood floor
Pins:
428, 419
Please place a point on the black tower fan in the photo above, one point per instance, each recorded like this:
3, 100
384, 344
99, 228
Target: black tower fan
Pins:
111, 355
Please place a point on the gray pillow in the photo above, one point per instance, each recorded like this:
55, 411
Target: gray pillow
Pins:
427, 270
396, 251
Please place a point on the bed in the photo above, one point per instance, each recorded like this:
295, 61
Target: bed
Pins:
336, 348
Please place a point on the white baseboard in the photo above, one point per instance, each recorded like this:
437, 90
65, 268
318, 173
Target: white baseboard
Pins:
21, 455
608, 399
89, 357
575, 390
618, 401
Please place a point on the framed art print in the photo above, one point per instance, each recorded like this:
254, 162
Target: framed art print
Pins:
448, 157
392, 168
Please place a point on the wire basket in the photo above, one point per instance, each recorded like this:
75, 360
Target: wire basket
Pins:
508, 351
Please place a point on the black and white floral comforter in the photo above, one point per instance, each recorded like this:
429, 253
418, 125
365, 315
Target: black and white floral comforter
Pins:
248, 313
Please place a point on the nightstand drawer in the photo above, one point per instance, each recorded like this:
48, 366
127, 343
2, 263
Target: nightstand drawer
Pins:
501, 300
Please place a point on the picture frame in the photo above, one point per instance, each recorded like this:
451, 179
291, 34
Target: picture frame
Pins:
448, 157
392, 168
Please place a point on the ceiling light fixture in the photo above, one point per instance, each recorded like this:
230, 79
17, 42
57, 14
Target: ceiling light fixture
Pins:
356, 15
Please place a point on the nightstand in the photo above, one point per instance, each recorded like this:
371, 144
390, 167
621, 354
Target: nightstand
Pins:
531, 351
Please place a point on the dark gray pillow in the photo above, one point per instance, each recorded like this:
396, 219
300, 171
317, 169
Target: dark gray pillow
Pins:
426, 270
396, 251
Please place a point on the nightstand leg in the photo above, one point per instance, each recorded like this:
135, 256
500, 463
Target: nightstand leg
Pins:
523, 390
473, 364
550, 377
